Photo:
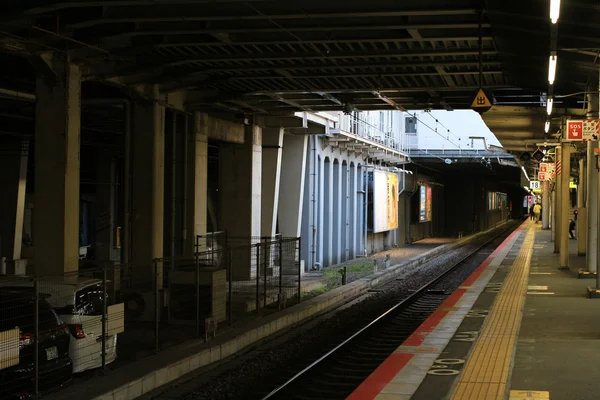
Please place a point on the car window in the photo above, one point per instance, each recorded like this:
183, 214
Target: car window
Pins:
19, 310
89, 300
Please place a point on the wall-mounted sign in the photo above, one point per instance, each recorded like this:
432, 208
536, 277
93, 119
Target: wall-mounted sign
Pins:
385, 201
535, 185
586, 129
425, 204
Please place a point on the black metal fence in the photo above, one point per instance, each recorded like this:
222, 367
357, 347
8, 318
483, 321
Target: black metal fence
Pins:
108, 316
263, 277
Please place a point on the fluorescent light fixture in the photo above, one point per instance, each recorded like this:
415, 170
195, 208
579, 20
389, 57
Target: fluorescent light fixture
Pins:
552, 68
554, 10
547, 126
525, 172
549, 106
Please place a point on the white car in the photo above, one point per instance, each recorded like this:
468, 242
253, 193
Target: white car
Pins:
79, 305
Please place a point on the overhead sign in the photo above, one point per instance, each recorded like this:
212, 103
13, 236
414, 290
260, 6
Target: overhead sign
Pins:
535, 185
481, 103
586, 129
546, 172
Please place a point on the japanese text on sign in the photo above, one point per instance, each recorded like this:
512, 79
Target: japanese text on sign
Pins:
587, 129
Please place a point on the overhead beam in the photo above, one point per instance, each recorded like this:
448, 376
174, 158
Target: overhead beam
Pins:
302, 56
352, 65
321, 28
173, 14
388, 101
195, 43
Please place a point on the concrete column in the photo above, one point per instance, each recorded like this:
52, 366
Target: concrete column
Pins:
13, 182
582, 210
271, 171
337, 212
591, 259
558, 195
291, 187
546, 204
320, 206
353, 211
197, 181
147, 189
240, 181
57, 168
328, 212
564, 217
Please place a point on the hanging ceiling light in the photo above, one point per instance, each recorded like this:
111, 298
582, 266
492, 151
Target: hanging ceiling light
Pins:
554, 10
549, 106
552, 68
547, 126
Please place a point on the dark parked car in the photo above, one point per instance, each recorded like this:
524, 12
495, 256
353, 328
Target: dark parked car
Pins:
17, 310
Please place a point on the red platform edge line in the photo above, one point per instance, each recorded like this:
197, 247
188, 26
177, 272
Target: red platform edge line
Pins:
392, 365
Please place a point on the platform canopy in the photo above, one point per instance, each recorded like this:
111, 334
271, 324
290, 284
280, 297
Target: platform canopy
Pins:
276, 57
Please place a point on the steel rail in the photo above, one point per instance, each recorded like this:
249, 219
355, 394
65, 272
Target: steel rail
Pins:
402, 303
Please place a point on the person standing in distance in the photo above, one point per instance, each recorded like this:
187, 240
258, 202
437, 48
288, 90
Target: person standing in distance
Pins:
537, 209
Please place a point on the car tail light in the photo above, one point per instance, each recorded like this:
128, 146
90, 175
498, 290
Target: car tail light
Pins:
25, 339
77, 331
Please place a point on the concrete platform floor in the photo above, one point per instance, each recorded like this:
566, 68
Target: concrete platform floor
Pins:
558, 348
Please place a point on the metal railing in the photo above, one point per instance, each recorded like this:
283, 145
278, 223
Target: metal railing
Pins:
108, 316
358, 124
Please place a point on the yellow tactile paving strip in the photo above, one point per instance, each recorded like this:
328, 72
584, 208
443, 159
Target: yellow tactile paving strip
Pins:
486, 372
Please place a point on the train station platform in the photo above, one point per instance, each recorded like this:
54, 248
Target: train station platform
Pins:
145, 375
517, 328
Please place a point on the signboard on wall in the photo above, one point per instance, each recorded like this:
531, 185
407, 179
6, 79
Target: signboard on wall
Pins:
385, 201
586, 129
425, 204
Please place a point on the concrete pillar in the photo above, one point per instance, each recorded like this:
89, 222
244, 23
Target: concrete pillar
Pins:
353, 211
57, 168
13, 182
558, 200
591, 259
291, 187
565, 206
582, 210
197, 181
240, 181
147, 189
337, 211
546, 204
272, 147
328, 212
106, 209
321, 200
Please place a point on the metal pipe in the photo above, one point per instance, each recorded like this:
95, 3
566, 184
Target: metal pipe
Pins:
126, 248
558, 201
553, 216
582, 219
591, 259
314, 205
36, 337
184, 237
104, 318
17, 95
565, 200
365, 217
173, 186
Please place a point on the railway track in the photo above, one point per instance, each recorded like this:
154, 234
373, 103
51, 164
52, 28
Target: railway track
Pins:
341, 370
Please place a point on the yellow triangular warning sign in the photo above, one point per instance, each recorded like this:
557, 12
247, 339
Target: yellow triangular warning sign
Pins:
481, 100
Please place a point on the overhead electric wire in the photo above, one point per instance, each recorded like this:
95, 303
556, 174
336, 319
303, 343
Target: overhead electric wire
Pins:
436, 132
